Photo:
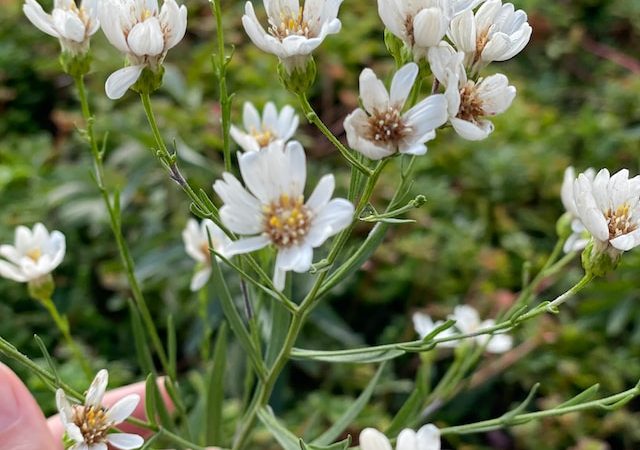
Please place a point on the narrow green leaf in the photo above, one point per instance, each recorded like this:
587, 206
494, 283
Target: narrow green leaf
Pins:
150, 399
414, 404
215, 389
172, 346
582, 397
280, 319
342, 445
509, 416
142, 348
364, 355
48, 358
285, 438
351, 413
161, 408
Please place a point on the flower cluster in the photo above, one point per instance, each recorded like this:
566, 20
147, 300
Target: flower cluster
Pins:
259, 131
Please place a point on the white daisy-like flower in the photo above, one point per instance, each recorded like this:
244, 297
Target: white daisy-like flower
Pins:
294, 32
34, 255
144, 33
496, 32
424, 325
271, 209
72, 25
468, 321
426, 438
381, 129
259, 132
470, 102
196, 243
89, 425
609, 208
580, 237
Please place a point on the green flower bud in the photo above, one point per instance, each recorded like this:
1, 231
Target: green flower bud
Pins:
299, 78
598, 261
563, 226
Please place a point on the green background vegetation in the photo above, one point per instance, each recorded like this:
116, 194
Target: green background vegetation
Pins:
492, 207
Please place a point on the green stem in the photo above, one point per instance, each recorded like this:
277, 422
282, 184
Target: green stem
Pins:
313, 117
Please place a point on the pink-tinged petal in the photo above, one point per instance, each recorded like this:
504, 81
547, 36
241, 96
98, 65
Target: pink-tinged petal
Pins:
372, 439
247, 245
97, 389
123, 408
125, 441
322, 193
372, 92
121, 80
401, 85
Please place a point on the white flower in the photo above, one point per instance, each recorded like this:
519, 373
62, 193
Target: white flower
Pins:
88, 425
294, 32
196, 243
381, 129
469, 102
424, 325
271, 209
35, 254
609, 208
468, 322
579, 238
144, 33
72, 25
496, 32
259, 132
426, 438
420, 24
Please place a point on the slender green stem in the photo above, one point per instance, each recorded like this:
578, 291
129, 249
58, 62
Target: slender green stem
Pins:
88, 117
313, 117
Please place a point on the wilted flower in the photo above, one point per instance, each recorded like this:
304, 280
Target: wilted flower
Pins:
294, 32
34, 255
196, 243
426, 438
609, 208
259, 132
470, 102
496, 32
144, 33
89, 425
72, 25
579, 237
271, 209
381, 129
468, 322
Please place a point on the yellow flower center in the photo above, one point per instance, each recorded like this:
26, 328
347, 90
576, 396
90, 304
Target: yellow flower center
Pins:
146, 13
619, 221
291, 24
34, 254
471, 105
263, 137
287, 221
93, 423
387, 126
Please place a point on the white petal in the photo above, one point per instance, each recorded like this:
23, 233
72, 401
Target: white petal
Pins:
97, 388
322, 193
200, 278
121, 80
463, 32
125, 441
430, 26
333, 218
174, 20
279, 278
297, 167
372, 439
372, 92
146, 38
12, 272
247, 245
407, 440
123, 408
401, 85
500, 343
39, 18
422, 323
427, 115
471, 131
428, 437
627, 241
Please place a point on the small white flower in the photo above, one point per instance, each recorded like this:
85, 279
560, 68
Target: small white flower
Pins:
426, 438
271, 209
470, 102
609, 208
35, 254
496, 32
424, 325
468, 321
420, 24
381, 129
72, 25
88, 425
144, 33
294, 32
196, 243
259, 132
579, 238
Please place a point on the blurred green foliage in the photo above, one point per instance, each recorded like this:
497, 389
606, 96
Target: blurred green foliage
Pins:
492, 207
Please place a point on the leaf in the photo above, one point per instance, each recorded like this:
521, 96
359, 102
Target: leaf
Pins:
364, 355
351, 413
342, 445
414, 404
215, 388
47, 357
150, 399
142, 348
582, 397
171, 345
280, 319
285, 438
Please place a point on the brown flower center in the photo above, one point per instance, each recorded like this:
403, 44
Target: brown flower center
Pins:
291, 24
287, 221
481, 42
93, 423
471, 107
387, 126
619, 221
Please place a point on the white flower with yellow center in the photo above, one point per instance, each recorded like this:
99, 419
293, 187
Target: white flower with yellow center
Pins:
196, 243
34, 255
468, 322
72, 25
469, 102
381, 129
580, 237
89, 425
271, 209
294, 32
496, 32
144, 33
259, 132
609, 208
426, 438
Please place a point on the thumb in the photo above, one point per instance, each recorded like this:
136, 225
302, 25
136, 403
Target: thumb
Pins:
22, 424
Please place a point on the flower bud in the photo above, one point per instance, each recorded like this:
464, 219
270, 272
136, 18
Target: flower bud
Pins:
298, 78
563, 226
599, 261
75, 65
41, 289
